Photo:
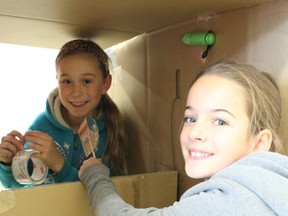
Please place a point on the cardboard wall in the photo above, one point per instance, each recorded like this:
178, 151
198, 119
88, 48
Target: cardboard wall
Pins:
129, 91
144, 190
145, 86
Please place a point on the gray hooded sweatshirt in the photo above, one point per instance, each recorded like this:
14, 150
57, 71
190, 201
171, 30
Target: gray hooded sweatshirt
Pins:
256, 185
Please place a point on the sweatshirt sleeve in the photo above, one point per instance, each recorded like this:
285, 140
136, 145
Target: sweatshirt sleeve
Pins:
102, 194
7, 178
105, 201
67, 174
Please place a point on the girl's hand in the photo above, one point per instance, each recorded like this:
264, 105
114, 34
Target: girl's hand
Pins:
48, 152
10, 145
88, 163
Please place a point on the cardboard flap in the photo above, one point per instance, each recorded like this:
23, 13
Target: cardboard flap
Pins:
153, 189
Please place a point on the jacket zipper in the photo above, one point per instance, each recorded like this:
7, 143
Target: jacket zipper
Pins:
75, 146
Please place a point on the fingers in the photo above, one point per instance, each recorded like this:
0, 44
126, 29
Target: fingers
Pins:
15, 134
14, 138
10, 145
40, 141
88, 163
47, 149
38, 137
6, 155
92, 160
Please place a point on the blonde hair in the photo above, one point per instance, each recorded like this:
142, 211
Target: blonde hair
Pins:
262, 94
116, 148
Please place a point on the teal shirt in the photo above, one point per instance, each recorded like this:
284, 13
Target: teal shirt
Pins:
69, 144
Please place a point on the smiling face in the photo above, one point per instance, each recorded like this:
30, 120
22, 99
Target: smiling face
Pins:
216, 126
81, 84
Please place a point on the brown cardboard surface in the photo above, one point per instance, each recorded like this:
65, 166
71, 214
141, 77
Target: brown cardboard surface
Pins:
143, 190
129, 92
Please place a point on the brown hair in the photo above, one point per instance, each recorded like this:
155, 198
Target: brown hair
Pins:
116, 144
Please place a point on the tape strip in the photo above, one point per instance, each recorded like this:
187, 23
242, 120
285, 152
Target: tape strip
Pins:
28, 170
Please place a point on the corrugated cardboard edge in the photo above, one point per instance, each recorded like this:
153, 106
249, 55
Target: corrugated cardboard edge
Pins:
143, 190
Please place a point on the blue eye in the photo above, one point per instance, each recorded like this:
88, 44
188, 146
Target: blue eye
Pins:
220, 122
189, 120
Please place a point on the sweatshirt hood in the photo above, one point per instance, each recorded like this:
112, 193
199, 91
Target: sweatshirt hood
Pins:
265, 174
54, 106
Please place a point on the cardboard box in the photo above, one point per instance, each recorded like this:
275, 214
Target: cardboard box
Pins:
144, 190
